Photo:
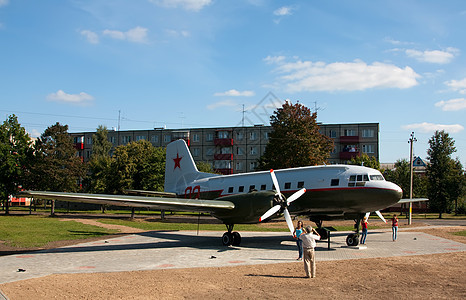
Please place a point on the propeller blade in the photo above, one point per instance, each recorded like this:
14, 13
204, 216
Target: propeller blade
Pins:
275, 183
289, 222
296, 196
269, 212
367, 215
380, 216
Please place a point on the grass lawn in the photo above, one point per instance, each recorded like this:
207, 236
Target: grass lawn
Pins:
37, 231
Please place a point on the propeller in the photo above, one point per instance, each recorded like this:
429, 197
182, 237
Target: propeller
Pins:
378, 214
283, 203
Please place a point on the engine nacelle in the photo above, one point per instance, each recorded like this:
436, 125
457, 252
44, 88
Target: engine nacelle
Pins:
248, 207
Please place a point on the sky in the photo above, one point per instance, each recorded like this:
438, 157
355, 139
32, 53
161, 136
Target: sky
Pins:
142, 64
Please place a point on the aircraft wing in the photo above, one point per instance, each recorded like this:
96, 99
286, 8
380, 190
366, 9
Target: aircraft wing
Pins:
175, 204
412, 200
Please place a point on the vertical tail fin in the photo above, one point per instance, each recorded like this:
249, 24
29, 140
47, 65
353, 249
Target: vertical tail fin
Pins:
180, 168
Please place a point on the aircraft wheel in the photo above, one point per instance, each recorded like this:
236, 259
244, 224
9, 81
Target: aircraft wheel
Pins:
352, 239
236, 238
227, 239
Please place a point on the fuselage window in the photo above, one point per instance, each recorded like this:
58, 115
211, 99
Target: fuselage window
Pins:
287, 185
335, 182
376, 177
230, 190
366, 177
352, 178
241, 189
359, 178
252, 188
300, 184
263, 187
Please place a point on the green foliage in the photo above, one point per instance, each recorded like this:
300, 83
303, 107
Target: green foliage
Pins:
401, 176
444, 174
54, 164
295, 140
137, 165
37, 231
205, 167
14, 150
365, 160
100, 161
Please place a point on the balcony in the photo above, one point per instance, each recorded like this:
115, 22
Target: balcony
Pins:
223, 157
346, 155
224, 171
349, 139
223, 142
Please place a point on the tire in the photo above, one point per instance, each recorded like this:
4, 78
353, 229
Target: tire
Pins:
352, 239
323, 233
236, 238
227, 239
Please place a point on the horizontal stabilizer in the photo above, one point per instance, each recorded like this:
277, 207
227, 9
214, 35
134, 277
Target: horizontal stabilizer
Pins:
412, 200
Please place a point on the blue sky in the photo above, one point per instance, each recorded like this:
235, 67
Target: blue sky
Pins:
197, 63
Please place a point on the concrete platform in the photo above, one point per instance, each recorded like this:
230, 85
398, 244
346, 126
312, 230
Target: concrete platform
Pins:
185, 249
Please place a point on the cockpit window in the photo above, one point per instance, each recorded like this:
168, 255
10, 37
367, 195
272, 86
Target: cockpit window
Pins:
377, 177
358, 180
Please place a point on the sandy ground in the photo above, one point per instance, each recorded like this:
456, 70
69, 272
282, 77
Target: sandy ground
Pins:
438, 276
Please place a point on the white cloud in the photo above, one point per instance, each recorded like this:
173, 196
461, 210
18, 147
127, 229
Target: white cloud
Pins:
136, 35
430, 127
457, 85
452, 104
91, 36
274, 59
4, 2
34, 133
283, 11
177, 33
225, 103
434, 56
192, 5
311, 76
61, 96
235, 93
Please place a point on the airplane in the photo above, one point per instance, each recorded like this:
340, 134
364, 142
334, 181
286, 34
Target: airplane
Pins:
320, 193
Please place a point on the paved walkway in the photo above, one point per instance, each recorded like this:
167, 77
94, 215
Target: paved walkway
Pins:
184, 249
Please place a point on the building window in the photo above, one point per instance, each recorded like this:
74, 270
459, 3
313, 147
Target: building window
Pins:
89, 141
252, 165
126, 139
368, 133
210, 137
154, 139
195, 151
210, 151
239, 151
239, 136
167, 138
350, 132
266, 135
333, 134
239, 166
140, 137
223, 135
253, 135
112, 139
195, 137
253, 150
368, 148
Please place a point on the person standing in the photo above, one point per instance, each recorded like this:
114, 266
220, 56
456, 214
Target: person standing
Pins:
297, 232
364, 230
394, 227
309, 238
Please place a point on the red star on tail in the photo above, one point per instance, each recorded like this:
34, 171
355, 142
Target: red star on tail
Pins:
177, 161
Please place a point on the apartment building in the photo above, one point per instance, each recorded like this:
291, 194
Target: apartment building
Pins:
232, 150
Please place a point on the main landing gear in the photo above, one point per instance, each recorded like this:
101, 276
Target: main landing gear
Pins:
353, 238
231, 238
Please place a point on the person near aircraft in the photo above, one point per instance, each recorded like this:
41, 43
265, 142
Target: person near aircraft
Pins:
394, 227
297, 232
364, 230
309, 238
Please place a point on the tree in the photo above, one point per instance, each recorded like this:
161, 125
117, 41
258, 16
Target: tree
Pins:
100, 161
55, 166
401, 176
14, 148
442, 173
295, 140
137, 165
365, 160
